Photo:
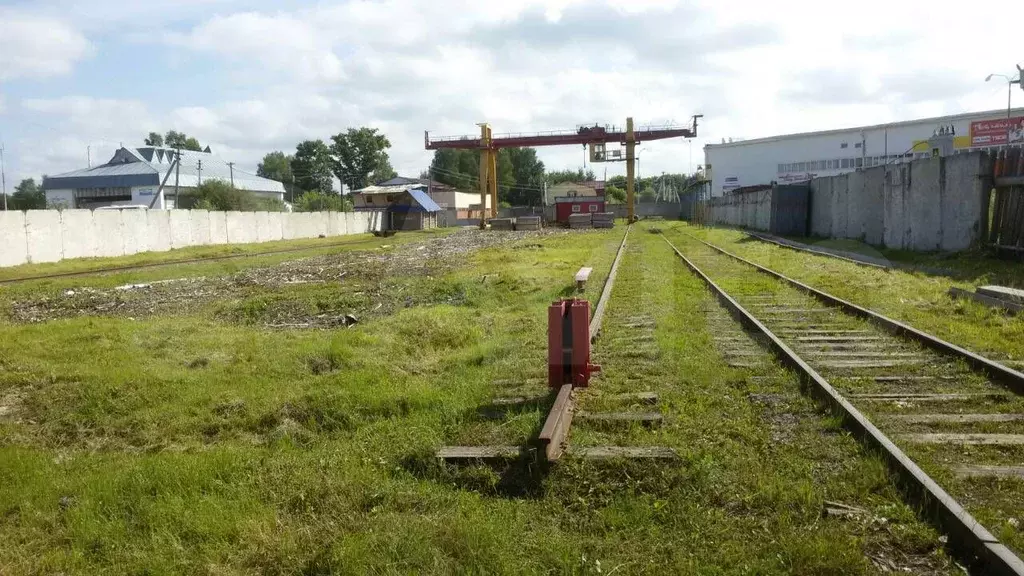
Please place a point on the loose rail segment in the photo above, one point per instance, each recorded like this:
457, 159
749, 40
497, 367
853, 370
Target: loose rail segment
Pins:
968, 538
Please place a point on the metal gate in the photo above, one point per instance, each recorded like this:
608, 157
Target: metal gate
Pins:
1006, 231
790, 210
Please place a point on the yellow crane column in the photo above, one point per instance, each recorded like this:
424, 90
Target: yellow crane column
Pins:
485, 168
492, 183
630, 169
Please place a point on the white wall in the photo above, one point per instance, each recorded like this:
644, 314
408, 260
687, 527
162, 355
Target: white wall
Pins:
51, 235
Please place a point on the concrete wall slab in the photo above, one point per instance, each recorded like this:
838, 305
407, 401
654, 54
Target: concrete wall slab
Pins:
199, 227
134, 233
181, 228
108, 234
218, 228
13, 238
158, 230
45, 239
77, 234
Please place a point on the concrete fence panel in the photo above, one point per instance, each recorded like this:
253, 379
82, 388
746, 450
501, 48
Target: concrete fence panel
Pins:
45, 239
158, 229
821, 206
199, 227
925, 196
964, 200
180, 222
263, 233
335, 224
250, 227
275, 224
872, 205
13, 239
109, 236
134, 233
218, 227
78, 237
236, 227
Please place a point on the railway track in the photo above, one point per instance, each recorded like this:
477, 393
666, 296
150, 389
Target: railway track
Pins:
924, 404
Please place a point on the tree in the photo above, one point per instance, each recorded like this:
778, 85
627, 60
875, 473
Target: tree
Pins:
357, 153
154, 139
320, 202
311, 166
527, 177
278, 166
27, 196
180, 140
578, 175
383, 171
615, 194
220, 195
459, 169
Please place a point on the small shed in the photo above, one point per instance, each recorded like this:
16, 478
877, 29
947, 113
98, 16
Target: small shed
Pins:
412, 210
567, 205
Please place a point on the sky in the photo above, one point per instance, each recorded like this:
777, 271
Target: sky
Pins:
249, 77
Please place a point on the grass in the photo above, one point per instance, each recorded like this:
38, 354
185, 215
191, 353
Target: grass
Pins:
195, 442
919, 298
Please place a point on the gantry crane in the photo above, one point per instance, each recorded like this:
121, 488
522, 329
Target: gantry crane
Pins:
596, 137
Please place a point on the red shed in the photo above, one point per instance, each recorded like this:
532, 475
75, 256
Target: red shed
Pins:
566, 205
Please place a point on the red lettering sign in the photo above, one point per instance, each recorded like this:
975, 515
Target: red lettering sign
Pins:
997, 132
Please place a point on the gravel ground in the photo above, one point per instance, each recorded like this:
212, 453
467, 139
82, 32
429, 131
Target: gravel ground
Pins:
371, 272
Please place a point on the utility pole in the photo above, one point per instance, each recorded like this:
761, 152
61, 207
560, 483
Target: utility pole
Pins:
177, 174
293, 189
200, 173
3, 177
231, 167
88, 155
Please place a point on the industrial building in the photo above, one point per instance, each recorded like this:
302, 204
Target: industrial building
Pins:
132, 177
799, 157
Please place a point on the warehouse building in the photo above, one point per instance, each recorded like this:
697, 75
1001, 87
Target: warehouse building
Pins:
459, 204
132, 177
799, 157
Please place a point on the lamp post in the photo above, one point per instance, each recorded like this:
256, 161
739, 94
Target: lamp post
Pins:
1009, 95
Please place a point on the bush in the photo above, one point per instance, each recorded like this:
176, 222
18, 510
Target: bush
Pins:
320, 202
221, 196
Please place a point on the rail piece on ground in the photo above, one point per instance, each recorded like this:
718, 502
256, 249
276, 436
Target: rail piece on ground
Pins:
967, 537
1012, 378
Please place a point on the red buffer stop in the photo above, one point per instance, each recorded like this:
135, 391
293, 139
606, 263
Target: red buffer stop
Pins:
569, 344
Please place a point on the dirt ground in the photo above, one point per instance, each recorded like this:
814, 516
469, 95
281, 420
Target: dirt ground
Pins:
370, 279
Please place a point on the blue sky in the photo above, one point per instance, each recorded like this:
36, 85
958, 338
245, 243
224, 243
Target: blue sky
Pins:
252, 77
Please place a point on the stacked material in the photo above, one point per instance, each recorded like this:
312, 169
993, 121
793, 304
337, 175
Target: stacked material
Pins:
604, 220
501, 224
528, 223
580, 221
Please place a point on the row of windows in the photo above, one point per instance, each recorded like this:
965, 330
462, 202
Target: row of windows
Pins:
118, 193
839, 163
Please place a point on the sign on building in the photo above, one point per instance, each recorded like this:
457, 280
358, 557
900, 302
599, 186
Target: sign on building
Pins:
995, 132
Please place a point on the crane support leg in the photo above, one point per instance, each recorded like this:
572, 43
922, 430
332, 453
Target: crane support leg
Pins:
493, 181
485, 167
630, 170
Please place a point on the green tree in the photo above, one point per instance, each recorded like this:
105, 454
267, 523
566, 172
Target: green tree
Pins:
320, 202
358, 153
278, 166
311, 166
615, 194
527, 177
383, 171
578, 175
27, 196
457, 168
180, 140
220, 195
154, 139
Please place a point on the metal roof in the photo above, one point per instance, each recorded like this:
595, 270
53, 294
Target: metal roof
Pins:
147, 166
421, 198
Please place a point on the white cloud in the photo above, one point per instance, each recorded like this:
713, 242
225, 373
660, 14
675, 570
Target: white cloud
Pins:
38, 47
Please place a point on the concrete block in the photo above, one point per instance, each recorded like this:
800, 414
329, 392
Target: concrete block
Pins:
320, 222
895, 232
199, 226
506, 223
335, 224
821, 206
275, 223
357, 222
873, 205
134, 233
181, 228
218, 227
263, 233
855, 205
77, 234
763, 217
840, 210
45, 239
13, 240
963, 201
288, 227
249, 228
158, 230
107, 230
1015, 295
925, 199
235, 227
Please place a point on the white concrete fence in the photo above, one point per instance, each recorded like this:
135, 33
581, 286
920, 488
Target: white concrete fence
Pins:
51, 235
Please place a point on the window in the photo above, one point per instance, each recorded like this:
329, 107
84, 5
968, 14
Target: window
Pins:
858, 144
860, 162
369, 199
592, 208
801, 166
575, 207
844, 145
846, 163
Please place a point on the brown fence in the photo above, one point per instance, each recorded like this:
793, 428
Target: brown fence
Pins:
1006, 231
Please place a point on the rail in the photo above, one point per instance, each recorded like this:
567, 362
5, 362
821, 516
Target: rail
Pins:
972, 541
